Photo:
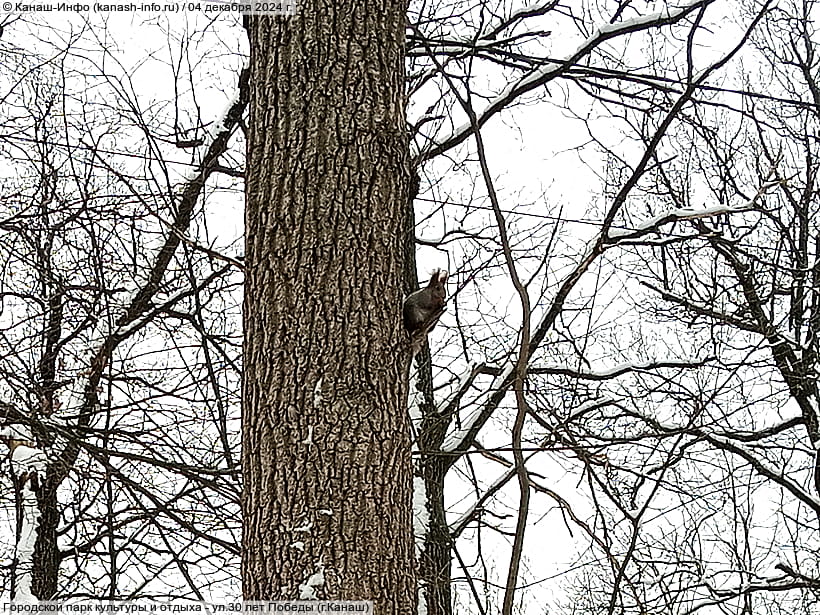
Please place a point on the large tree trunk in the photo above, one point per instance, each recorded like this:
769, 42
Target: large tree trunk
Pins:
326, 443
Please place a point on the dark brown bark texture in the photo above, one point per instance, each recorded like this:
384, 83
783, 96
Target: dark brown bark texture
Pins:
45, 566
326, 441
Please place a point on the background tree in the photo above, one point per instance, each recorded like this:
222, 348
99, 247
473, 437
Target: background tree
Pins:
747, 289
120, 360
565, 310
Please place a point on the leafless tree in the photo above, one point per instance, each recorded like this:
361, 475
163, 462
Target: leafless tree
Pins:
120, 337
734, 519
628, 353
564, 405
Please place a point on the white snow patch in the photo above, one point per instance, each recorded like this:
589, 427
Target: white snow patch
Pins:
127, 329
644, 20
24, 458
676, 215
414, 402
317, 393
16, 432
25, 548
307, 590
691, 213
211, 133
30, 460
596, 403
304, 528
298, 545
421, 516
325, 511
219, 124
422, 602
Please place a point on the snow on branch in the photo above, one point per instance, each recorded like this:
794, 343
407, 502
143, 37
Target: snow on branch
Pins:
687, 213
763, 468
551, 70
617, 370
458, 438
791, 580
28, 463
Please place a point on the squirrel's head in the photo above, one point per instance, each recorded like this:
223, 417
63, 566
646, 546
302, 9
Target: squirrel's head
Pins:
436, 285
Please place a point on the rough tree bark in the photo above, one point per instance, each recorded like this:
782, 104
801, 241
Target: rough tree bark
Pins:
326, 442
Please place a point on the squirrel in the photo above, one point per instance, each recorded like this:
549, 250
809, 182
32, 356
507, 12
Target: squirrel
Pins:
423, 308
